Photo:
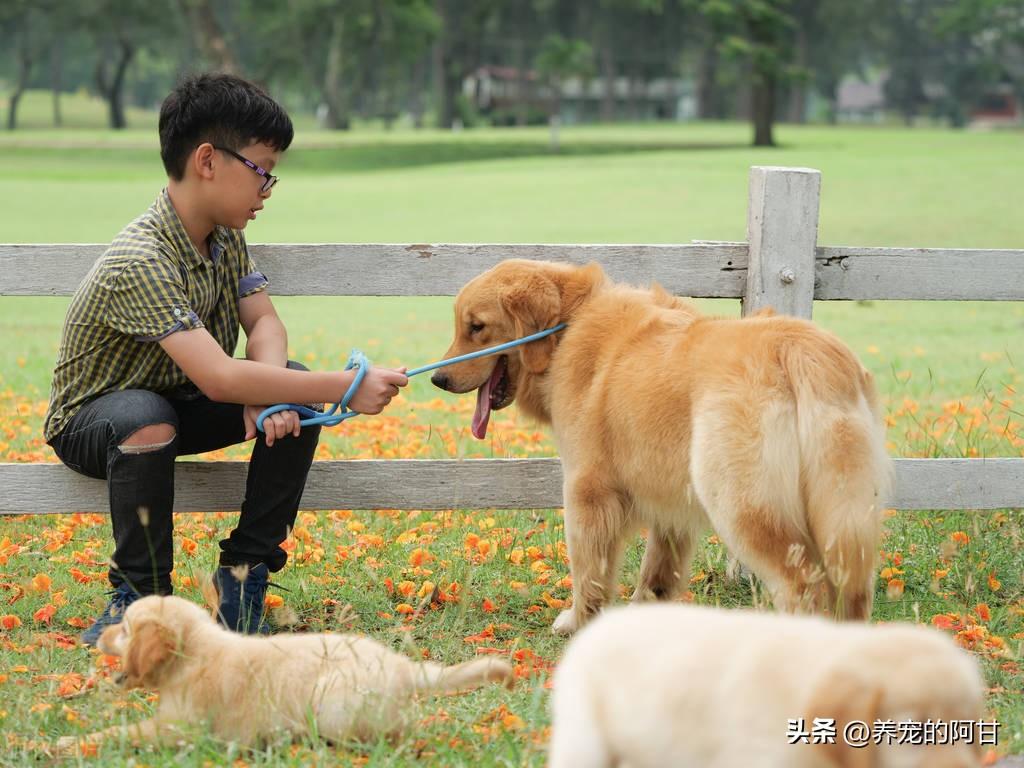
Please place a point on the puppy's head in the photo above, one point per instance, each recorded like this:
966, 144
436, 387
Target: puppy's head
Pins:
903, 674
511, 300
150, 637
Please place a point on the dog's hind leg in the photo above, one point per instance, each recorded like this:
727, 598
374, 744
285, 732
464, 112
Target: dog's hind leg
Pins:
749, 486
595, 518
666, 564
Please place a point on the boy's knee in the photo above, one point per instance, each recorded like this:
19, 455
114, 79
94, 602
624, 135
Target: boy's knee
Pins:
148, 439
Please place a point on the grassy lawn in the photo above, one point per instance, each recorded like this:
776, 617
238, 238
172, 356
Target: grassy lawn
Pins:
951, 377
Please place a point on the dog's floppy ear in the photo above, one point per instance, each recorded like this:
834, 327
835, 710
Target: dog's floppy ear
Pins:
534, 305
845, 696
150, 647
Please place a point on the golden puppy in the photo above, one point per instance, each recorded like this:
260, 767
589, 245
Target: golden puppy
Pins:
763, 428
246, 688
690, 687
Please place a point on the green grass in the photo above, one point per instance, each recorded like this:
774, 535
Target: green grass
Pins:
934, 363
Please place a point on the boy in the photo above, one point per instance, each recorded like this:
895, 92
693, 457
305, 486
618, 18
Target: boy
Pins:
145, 371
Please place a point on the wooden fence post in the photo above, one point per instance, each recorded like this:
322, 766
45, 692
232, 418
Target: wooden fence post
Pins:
782, 229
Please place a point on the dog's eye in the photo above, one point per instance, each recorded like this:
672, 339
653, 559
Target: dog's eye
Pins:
475, 327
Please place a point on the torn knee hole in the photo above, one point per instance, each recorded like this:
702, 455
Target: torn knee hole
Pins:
134, 448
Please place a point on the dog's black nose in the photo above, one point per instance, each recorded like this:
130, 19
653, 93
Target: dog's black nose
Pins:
440, 381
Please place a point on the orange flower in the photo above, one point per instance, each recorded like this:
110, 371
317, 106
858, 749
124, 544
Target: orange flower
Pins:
41, 582
10, 621
70, 684
273, 601
984, 613
406, 588
404, 609
960, 537
993, 583
45, 614
488, 606
894, 590
419, 556
189, 547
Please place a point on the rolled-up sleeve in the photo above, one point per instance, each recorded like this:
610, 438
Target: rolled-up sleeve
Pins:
252, 280
146, 300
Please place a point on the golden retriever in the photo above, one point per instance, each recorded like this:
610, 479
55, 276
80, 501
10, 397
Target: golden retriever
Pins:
763, 428
247, 688
691, 687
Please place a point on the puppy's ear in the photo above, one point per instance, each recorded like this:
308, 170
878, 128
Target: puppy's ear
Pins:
845, 696
150, 647
534, 306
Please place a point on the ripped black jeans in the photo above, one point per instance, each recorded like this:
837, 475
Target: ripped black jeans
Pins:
141, 483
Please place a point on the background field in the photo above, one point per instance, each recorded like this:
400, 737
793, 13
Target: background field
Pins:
950, 373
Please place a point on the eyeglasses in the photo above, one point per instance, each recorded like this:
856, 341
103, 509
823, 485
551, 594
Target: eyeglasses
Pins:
268, 180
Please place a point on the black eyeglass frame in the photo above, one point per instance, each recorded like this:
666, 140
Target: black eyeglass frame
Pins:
269, 180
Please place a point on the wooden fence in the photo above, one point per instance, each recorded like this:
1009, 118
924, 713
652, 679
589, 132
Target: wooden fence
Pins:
781, 266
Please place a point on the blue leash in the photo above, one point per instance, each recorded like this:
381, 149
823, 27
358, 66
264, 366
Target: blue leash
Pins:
338, 412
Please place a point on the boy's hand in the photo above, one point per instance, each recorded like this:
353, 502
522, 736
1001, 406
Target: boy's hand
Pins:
378, 387
276, 425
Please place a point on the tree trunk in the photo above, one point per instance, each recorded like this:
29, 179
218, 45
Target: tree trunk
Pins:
56, 78
333, 90
116, 97
209, 36
25, 62
763, 108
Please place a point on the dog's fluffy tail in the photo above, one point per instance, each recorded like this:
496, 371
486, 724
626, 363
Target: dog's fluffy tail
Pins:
437, 678
845, 473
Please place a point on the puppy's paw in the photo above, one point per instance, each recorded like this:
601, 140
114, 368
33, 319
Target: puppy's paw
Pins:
566, 623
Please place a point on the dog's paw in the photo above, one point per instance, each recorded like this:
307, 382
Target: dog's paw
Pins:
566, 623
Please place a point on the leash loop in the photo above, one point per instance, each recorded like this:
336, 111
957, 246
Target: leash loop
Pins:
338, 412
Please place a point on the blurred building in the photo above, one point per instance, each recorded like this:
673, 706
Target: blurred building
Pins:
500, 93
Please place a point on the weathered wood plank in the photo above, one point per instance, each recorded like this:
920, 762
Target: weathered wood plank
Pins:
362, 484
352, 269
782, 229
919, 273
700, 270
469, 484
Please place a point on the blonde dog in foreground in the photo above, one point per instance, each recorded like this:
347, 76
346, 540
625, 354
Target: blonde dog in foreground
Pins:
246, 689
763, 428
674, 685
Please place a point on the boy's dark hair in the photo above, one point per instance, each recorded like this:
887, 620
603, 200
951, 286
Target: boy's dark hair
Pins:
222, 109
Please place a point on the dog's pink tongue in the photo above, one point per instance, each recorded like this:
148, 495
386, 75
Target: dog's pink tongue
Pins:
482, 414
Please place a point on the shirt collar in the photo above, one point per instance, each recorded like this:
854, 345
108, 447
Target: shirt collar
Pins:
170, 223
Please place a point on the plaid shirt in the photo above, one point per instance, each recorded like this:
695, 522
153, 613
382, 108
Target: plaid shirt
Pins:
150, 282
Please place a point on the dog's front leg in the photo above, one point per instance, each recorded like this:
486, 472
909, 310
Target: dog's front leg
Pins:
594, 523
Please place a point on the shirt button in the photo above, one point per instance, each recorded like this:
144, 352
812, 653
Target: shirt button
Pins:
177, 312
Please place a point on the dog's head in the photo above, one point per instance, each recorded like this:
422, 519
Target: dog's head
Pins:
511, 300
902, 677
150, 638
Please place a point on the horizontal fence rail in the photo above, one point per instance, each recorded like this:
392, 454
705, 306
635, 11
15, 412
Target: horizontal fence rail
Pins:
704, 270
778, 265
463, 484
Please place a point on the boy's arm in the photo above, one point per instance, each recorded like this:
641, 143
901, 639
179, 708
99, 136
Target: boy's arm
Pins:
226, 379
266, 341
266, 337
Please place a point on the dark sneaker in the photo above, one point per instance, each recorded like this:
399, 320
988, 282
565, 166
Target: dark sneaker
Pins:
121, 598
242, 589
